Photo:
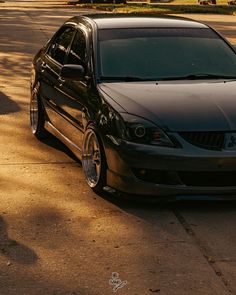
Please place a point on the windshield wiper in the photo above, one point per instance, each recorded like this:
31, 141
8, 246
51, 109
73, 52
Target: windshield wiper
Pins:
199, 77
125, 78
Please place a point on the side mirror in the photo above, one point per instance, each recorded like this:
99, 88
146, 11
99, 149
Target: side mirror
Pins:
72, 72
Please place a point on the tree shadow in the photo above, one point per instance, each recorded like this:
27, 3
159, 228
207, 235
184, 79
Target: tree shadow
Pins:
7, 105
13, 250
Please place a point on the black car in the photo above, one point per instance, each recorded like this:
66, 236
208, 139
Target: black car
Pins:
148, 104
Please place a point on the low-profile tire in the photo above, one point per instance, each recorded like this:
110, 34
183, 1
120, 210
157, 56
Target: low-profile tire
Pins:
37, 117
94, 160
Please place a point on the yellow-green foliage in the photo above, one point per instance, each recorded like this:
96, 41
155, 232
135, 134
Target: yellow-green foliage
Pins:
177, 6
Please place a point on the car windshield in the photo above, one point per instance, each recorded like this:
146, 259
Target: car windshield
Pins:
164, 54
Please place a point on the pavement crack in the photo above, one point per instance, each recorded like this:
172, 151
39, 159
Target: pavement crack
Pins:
204, 249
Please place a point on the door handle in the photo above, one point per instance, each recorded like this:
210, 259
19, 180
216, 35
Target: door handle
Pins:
61, 81
43, 66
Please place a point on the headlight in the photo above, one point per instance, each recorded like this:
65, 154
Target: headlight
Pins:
137, 129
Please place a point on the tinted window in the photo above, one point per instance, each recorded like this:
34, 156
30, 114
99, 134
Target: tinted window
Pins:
61, 43
77, 54
164, 52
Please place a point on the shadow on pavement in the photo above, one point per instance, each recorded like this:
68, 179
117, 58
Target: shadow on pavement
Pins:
13, 250
7, 105
55, 143
196, 203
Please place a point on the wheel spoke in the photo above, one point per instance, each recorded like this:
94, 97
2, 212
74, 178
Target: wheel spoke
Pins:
34, 113
91, 158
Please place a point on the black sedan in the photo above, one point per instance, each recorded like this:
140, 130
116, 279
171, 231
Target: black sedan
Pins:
148, 104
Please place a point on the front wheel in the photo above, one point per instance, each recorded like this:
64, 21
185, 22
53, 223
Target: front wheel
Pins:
93, 160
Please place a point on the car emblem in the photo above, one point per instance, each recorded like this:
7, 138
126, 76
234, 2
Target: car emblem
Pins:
230, 141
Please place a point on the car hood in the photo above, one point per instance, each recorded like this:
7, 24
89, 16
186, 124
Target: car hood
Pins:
178, 105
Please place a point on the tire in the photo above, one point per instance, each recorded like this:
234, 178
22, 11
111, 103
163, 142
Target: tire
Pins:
37, 117
94, 160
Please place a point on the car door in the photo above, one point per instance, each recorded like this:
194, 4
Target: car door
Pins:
75, 93
51, 64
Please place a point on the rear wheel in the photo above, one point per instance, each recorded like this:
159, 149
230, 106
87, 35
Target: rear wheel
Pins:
37, 118
93, 160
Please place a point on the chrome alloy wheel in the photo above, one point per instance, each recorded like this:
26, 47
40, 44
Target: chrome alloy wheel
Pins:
34, 113
37, 118
91, 158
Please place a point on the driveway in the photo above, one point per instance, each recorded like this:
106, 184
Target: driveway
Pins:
58, 237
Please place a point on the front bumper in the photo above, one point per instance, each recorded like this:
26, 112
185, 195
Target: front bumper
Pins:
179, 171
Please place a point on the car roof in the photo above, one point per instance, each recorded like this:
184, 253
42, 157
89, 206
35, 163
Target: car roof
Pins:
115, 21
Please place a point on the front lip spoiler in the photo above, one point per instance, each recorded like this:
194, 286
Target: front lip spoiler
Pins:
134, 186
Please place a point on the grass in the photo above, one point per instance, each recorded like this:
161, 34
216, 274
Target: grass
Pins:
177, 6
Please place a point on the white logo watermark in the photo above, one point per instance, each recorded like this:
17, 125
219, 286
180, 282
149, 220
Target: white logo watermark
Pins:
116, 282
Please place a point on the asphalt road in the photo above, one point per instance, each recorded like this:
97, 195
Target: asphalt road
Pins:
58, 238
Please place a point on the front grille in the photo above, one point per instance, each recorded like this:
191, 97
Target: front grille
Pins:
205, 140
208, 178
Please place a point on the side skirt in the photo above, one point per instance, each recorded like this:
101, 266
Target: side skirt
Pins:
73, 147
